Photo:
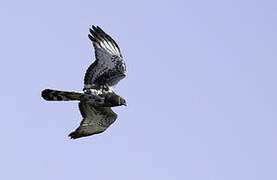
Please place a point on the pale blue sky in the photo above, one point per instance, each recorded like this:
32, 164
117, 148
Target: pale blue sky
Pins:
201, 90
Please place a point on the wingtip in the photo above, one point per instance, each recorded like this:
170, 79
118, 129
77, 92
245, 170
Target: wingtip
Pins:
100, 29
94, 33
73, 135
90, 30
97, 30
94, 27
91, 38
100, 35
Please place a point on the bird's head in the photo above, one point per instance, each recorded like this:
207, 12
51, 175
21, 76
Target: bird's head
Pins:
113, 99
122, 101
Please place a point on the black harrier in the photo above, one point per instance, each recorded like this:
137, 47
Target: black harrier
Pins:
98, 95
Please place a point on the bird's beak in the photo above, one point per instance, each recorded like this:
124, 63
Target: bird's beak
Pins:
125, 104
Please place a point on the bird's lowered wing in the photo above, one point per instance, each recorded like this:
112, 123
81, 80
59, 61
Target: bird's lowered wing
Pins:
95, 120
109, 67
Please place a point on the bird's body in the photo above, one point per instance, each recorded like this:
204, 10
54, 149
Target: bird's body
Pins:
98, 95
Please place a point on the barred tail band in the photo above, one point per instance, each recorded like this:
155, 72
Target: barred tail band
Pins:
54, 95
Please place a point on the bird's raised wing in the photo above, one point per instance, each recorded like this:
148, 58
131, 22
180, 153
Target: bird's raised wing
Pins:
95, 120
109, 67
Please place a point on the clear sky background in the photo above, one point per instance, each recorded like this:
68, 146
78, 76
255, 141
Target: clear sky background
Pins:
201, 90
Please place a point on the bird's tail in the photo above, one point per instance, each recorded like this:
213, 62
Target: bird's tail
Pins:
54, 95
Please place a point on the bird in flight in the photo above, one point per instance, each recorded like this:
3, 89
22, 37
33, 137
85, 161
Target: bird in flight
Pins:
98, 96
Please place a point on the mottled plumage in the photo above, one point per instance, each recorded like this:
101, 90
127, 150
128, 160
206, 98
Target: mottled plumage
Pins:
98, 95
109, 67
95, 120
